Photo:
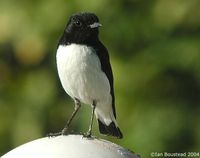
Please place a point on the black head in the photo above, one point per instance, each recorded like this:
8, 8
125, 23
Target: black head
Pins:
82, 28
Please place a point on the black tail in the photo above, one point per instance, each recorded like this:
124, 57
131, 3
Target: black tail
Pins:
112, 129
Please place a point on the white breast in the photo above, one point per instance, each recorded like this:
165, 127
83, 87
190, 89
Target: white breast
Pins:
80, 73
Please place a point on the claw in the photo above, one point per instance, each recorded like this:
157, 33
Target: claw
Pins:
87, 135
54, 134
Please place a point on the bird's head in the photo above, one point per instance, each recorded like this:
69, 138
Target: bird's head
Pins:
82, 28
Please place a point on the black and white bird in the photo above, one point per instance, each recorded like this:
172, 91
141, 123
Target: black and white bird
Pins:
85, 72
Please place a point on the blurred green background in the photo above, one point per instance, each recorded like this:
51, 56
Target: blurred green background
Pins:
155, 54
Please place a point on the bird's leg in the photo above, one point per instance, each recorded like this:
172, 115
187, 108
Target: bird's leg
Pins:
76, 108
89, 132
64, 131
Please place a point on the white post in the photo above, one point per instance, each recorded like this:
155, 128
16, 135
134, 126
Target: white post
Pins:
70, 146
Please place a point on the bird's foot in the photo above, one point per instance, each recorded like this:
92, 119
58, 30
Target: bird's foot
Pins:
88, 135
54, 134
63, 132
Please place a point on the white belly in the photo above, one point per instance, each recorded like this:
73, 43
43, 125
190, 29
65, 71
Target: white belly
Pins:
80, 73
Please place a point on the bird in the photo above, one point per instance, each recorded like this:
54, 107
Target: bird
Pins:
85, 72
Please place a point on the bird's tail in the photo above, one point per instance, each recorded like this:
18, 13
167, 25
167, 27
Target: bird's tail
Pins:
108, 124
111, 129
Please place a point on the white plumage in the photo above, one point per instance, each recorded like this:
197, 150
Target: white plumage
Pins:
79, 69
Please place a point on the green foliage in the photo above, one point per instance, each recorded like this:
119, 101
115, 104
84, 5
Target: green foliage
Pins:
155, 51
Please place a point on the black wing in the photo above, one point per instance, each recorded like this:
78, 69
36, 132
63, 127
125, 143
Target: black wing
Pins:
103, 55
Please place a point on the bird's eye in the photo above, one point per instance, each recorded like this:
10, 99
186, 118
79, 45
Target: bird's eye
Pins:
78, 23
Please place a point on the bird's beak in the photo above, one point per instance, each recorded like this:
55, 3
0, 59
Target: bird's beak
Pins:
95, 25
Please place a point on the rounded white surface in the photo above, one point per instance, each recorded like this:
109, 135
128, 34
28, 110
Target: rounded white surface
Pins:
70, 146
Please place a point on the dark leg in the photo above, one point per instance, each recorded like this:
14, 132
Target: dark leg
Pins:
64, 131
76, 108
89, 132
